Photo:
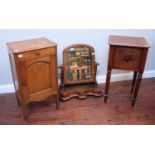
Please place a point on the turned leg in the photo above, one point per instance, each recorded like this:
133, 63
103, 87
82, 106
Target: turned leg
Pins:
57, 101
136, 89
107, 85
18, 101
25, 112
134, 81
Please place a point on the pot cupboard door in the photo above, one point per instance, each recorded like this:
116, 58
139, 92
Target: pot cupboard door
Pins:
40, 75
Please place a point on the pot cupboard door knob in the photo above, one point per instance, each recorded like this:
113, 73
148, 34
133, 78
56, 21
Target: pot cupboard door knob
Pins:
24, 83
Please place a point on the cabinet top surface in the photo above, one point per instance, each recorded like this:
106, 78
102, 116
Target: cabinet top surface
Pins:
128, 41
32, 44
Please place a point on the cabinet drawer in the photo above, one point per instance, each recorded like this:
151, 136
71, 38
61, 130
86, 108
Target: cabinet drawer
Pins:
126, 58
36, 54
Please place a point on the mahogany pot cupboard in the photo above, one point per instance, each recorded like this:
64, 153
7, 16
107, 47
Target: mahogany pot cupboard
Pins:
127, 53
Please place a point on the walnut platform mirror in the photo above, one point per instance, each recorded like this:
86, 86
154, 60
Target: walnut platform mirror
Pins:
78, 72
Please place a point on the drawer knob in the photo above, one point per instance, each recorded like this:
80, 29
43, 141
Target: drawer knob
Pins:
127, 58
37, 53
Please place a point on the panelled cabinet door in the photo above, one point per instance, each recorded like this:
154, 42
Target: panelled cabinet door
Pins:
39, 79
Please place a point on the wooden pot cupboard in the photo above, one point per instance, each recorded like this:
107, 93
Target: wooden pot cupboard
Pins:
127, 53
34, 70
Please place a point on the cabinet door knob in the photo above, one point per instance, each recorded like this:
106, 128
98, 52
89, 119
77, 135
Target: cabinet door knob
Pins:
24, 83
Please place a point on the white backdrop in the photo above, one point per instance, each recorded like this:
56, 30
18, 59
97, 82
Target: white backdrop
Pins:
98, 38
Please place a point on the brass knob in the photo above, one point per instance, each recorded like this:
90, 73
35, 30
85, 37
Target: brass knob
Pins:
127, 58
